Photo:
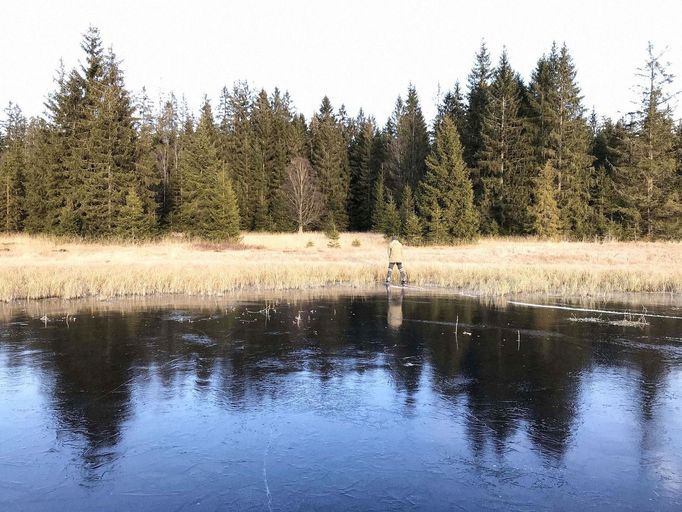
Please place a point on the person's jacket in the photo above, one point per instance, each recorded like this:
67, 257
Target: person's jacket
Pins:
395, 252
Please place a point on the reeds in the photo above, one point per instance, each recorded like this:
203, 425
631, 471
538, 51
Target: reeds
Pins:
40, 267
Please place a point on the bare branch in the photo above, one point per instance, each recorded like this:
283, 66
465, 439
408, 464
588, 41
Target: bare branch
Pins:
304, 199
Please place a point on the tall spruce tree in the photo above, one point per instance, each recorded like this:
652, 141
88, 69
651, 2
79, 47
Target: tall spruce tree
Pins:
609, 153
573, 159
446, 200
134, 223
504, 157
262, 126
39, 177
166, 142
146, 181
361, 175
178, 183
453, 106
287, 142
410, 225
544, 211
391, 216
409, 143
238, 146
379, 206
12, 170
378, 164
413, 134
53, 160
648, 183
208, 208
101, 148
560, 133
329, 158
542, 101
478, 96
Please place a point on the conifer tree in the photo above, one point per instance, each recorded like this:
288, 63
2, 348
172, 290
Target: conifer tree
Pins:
53, 158
504, 157
178, 182
573, 160
262, 126
286, 144
329, 158
347, 124
208, 208
90, 159
360, 162
446, 195
332, 234
647, 184
379, 206
12, 170
409, 143
146, 180
392, 156
560, 133
542, 102
545, 212
478, 84
166, 139
410, 225
608, 154
391, 216
238, 146
101, 149
38, 177
133, 222
414, 136
436, 226
225, 225
454, 107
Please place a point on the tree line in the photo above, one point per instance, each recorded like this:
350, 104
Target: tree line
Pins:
503, 157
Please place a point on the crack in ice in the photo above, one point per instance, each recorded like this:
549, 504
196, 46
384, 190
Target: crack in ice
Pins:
265, 472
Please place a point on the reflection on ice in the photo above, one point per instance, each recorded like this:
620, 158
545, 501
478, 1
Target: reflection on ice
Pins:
374, 402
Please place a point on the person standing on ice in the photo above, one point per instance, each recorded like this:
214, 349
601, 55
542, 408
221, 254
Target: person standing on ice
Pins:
395, 257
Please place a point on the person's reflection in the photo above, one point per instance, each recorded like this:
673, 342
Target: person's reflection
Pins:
394, 317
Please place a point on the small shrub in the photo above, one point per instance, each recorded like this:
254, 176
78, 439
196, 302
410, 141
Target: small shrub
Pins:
355, 242
333, 234
310, 243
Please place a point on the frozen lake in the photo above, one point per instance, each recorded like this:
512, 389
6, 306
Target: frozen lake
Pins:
375, 402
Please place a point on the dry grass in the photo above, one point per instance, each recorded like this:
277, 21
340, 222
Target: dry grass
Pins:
628, 320
39, 267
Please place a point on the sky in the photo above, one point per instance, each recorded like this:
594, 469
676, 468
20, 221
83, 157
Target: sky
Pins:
361, 53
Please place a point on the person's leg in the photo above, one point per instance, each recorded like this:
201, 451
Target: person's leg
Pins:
388, 274
403, 276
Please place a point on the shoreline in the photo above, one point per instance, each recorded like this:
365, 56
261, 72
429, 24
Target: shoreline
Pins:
59, 309
35, 268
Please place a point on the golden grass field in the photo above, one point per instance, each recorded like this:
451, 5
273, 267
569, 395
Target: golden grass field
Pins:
40, 267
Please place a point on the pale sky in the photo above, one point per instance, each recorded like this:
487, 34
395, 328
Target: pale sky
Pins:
361, 53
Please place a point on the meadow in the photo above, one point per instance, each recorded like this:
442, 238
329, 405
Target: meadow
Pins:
40, 267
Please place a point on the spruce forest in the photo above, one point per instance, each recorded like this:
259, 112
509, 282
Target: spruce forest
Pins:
502, 157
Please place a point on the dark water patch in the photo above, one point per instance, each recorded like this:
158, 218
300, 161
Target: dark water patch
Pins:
379, 402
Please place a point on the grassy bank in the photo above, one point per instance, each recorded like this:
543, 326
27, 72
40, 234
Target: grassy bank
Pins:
33, 267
